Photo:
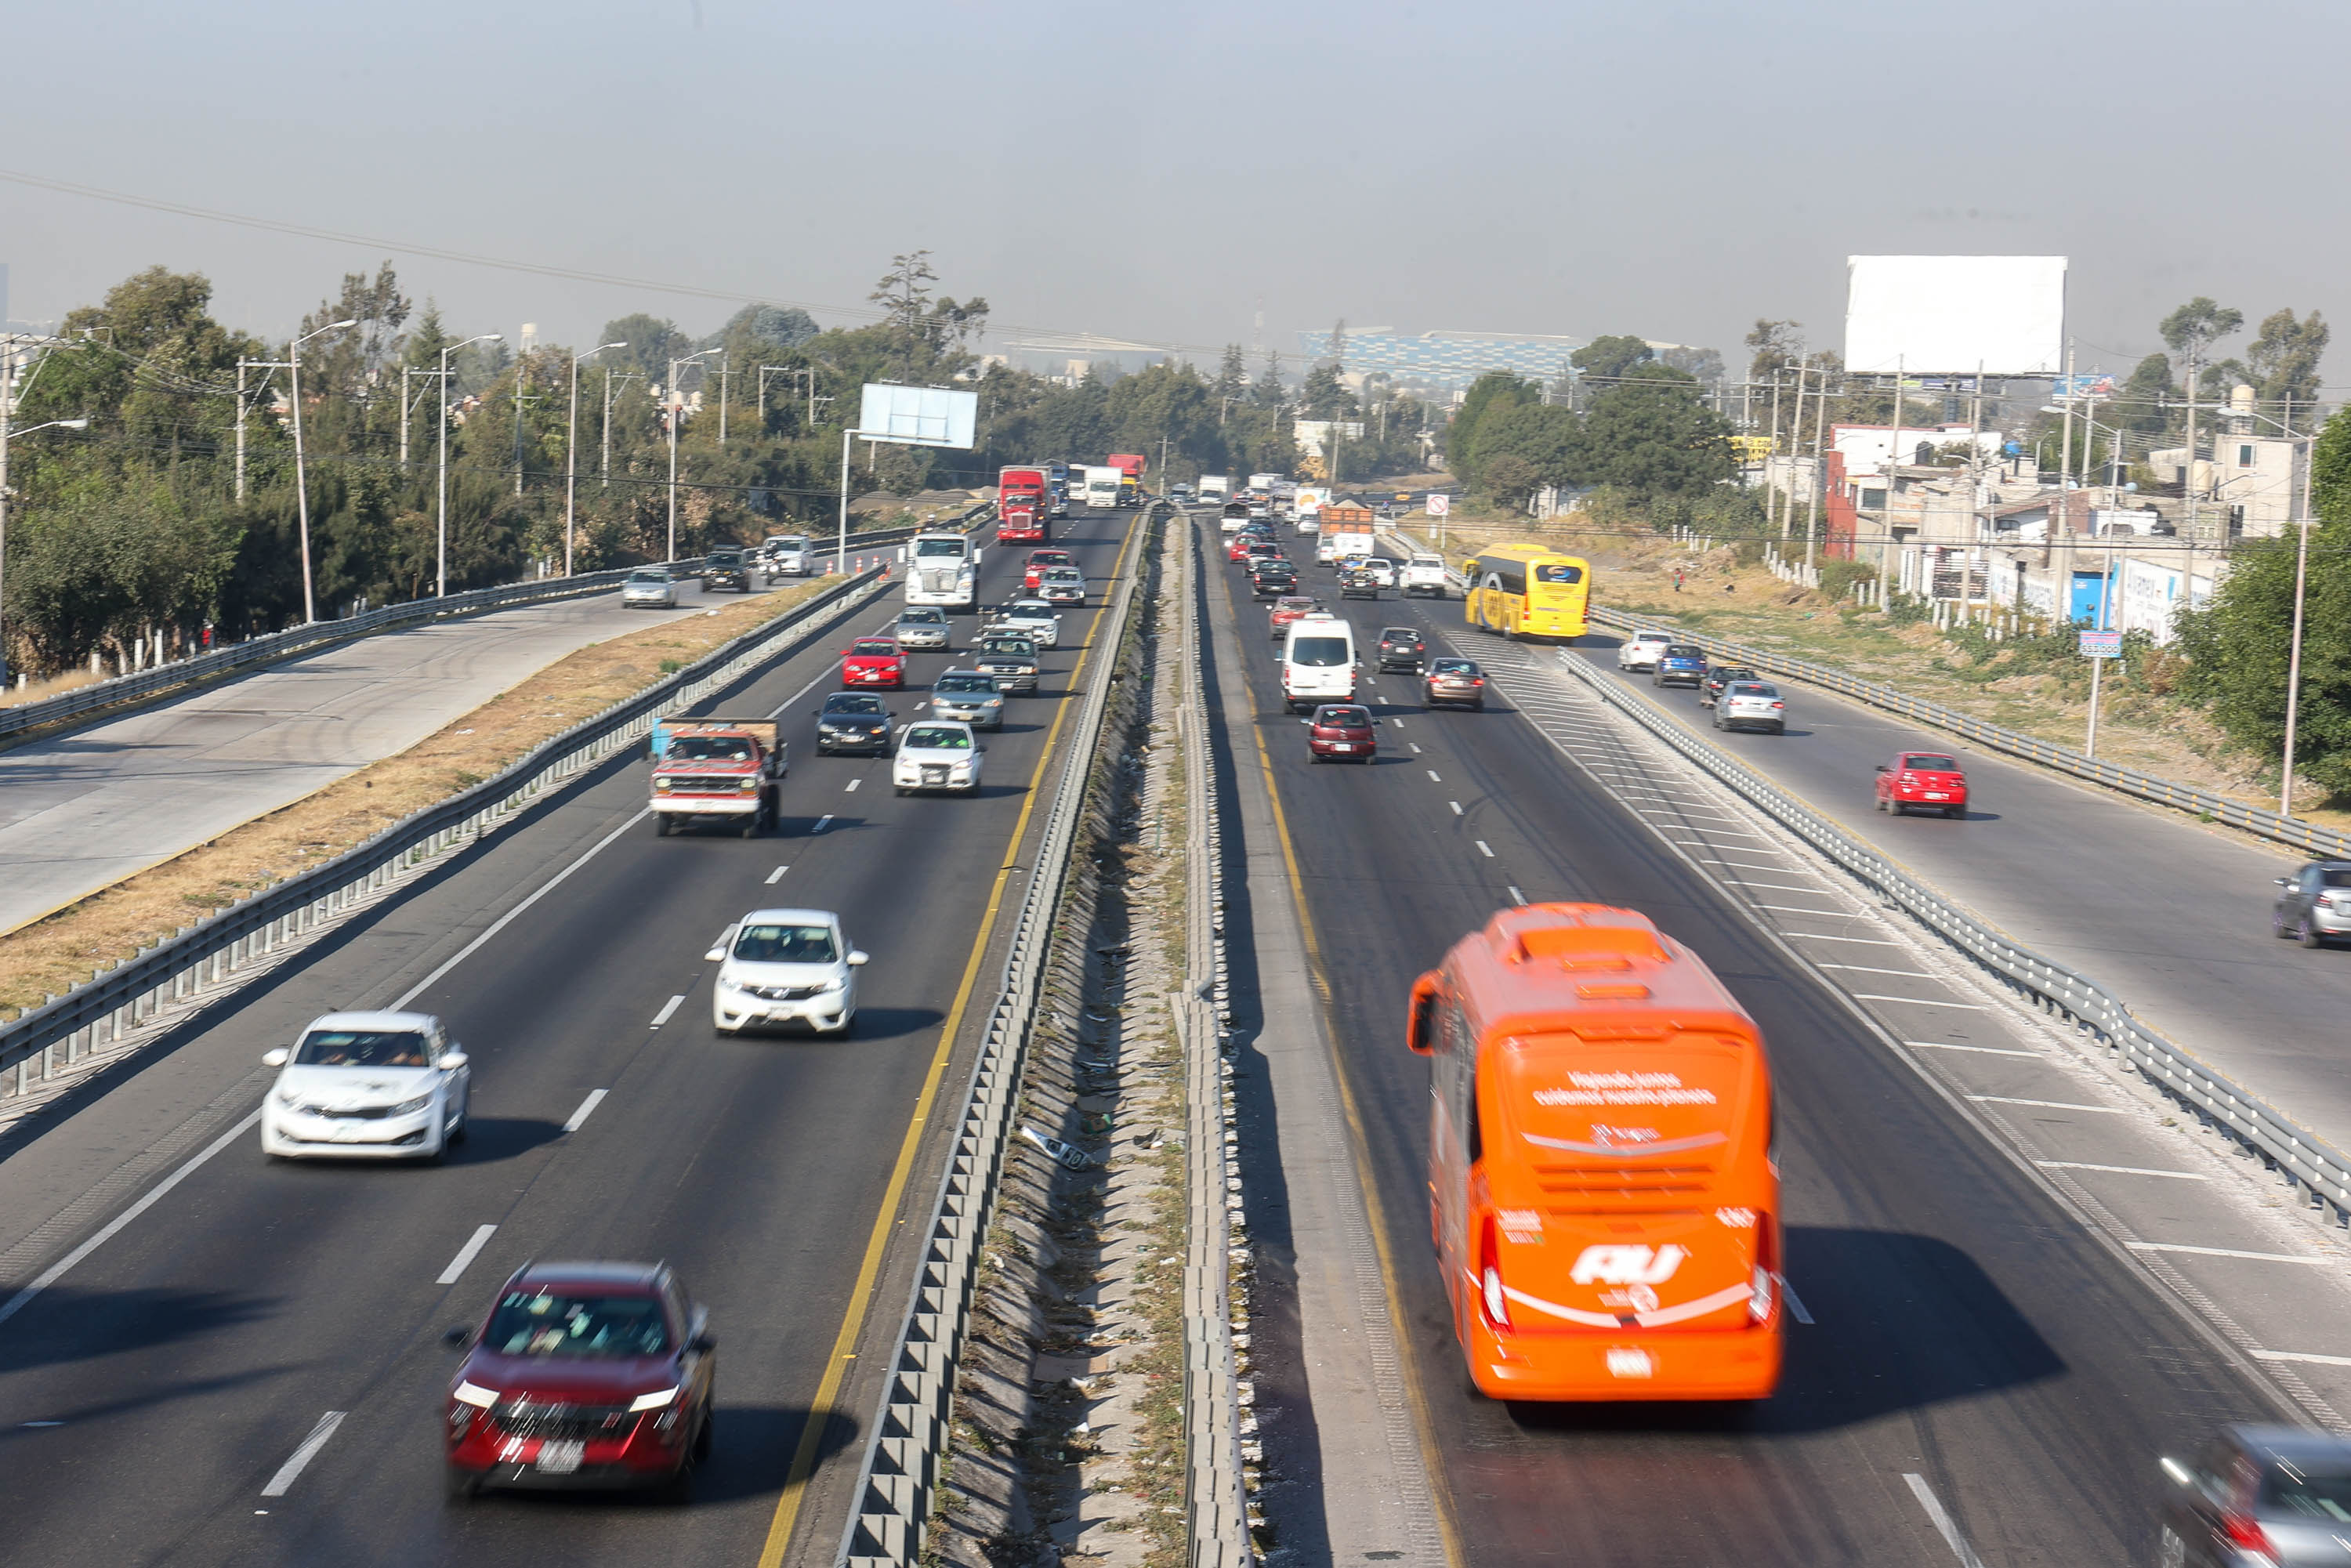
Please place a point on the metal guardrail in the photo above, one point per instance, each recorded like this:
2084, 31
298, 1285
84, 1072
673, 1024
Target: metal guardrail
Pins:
281, 645
104, 1008
1216, 1492
2320, 1173
898, 1479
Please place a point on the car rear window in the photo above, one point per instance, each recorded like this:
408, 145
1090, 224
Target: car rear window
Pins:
1683, 651
2335, 879
1927, 762
2306, 1493
1318, 652
1347, 717
1753, 689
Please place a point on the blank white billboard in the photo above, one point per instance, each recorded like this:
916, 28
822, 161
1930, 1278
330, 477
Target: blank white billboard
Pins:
918, 416
1946, 315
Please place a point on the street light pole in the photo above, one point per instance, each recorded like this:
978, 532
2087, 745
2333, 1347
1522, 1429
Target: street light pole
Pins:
440, 556
604, 457
676, 413
571, 453
301, 478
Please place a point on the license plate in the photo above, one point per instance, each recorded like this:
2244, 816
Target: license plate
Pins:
1937, 795
559, 1458
1342, 748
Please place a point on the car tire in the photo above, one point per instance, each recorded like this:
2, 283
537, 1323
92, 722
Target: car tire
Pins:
1878, 803
661, 825
459, 1485
705, 1436
750, 829
901, 791
1477, 706
2309, 935
1717, 721
1780, 728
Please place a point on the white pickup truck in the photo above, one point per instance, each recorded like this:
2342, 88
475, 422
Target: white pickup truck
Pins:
1423, 575
943, 568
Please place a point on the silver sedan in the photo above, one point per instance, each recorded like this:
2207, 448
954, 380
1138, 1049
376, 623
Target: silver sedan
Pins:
922, 627
650, 586
969, 696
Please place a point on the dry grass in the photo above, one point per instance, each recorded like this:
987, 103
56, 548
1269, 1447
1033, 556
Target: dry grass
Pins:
54, 953
34, 691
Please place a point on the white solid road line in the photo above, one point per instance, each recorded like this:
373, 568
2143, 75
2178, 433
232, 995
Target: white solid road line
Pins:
1456, 805
2050, 1104
587, 1109
2230, 1252
466, 1254
661, 1017
2118, 1170
1792, 909
1484, 851
1945, 1526
821, 822
1775, 886
1866, 969
776, 875
287, 1473
2315, 1360
1825, 937
1916, 1002
1947, 1045
55, 1272
503, 921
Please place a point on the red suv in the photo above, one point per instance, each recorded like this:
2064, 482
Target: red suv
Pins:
584, 1374
1341, 731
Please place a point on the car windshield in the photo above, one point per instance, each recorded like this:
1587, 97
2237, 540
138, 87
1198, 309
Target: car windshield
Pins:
938, 547
939, 737
1927, 762
727, 557
920, 618
363, 1048
962, 684
1061, 574
785, 945
788, 543
2310, 1494
648, 577
1009, 645
709, 748
874, 650
577, 1328
841, 702
1318, 652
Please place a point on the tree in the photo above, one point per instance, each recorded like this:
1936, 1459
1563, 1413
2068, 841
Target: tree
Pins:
1651, 435
1705, 364
2192, 330
1501, 388
905, 291
1509, 479
1603, 359
652, 342
1336, 348
1324, 396
1542, 441
2283, 362
1773, 346
1232, 375
2142, 406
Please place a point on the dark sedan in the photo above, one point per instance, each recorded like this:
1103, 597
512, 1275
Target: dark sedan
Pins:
854, 722
1402, 648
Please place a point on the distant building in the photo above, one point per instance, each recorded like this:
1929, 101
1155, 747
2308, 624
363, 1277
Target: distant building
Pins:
1456, 357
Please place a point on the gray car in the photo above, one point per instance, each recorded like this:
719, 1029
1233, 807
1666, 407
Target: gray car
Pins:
2314, 904
2279, 1497
969, 695
649, 585
921, 627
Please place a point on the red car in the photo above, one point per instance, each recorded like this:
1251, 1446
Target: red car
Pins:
1930, 780
873, 661
1032, 571
1285, 611
1237, 547
583, 1375
1341, 732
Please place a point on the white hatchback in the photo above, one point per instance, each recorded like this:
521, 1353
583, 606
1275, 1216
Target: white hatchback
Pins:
1641, 650
782, 967
368, 1086
938, 754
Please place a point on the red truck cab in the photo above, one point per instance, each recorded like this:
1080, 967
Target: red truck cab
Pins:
1022, 502
729, 771
1930, 780
1130, 464
873, 661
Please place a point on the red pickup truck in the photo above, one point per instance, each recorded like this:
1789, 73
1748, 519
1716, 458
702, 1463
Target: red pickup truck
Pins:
725, 770
1930, 780
873, 661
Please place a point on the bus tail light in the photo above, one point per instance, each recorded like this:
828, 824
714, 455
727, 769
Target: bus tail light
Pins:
1498, 1306
1764, 1284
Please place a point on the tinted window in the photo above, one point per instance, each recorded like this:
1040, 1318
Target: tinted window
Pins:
2297, 1490
962, 684
582, 1327
1683, 651
1753, 689
1927, 762
1558, 573
2335, 879
1318, 652
938, 547
363, 1048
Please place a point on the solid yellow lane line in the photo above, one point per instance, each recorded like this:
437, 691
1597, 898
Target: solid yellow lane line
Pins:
852, 1323
1358, 1143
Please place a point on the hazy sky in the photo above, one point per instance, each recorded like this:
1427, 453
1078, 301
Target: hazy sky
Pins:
1668, 168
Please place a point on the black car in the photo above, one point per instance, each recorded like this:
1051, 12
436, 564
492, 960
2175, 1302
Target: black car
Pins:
1359, 582
1710, 689
1454, 683
1402, 648
1681, 664
728, 569
1273, 582
854, 721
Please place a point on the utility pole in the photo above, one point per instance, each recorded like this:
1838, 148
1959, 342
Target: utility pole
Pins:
604, 460
723, 372
676, 402
301, 478
522, 362
441, 525
242, 366
240, 423
1816, 492
2187, 476
2293, 660
571, 454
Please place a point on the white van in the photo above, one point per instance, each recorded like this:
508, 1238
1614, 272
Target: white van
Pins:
1318, 661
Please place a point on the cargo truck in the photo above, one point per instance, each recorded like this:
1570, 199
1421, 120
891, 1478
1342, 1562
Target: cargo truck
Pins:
1130, 489
1020, 505
1216, 487
729, 771
1346, 533
1101, 486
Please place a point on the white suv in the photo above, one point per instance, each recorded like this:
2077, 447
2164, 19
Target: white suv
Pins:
1640, 651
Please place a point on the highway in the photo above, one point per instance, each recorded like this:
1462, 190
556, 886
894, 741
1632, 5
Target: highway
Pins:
1969, 1341
2173, 915
160, 1396
111, 797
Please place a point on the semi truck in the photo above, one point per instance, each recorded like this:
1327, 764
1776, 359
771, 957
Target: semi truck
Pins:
943, 568
1021, 501
1130, 489
729, 771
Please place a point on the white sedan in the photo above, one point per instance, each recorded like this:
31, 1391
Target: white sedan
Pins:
1031, 618
782, 967
368, 1086
649, 585
940, 754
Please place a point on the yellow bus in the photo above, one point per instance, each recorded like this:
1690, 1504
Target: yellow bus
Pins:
1527, 590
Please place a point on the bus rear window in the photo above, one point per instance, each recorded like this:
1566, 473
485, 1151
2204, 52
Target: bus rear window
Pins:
1559, 572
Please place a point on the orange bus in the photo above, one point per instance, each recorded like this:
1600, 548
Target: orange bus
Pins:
1601, 1179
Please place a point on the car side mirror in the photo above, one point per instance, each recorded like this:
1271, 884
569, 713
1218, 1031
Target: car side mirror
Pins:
1882, 767
281, 1056
858, 960
458, 1338
1420, 1023
2281, 882
452, 1060
716, 955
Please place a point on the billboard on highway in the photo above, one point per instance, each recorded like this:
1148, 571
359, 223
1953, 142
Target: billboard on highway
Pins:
2004, 314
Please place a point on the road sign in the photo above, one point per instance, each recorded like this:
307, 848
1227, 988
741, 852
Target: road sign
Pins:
2102, 644
1439, 504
